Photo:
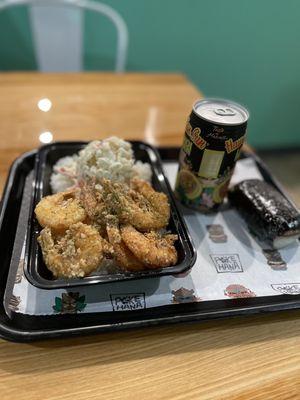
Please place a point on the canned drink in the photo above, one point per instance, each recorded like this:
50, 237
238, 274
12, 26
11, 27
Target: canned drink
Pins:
214, 134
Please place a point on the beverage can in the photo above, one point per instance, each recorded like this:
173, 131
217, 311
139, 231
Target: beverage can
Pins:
214, 134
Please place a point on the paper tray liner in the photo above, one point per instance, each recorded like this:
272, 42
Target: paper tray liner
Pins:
230, 265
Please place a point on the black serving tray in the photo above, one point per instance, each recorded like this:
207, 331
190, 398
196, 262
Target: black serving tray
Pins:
35, 269
25, 328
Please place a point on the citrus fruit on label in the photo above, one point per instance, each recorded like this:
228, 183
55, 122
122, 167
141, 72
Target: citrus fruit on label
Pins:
190, 184
220, 191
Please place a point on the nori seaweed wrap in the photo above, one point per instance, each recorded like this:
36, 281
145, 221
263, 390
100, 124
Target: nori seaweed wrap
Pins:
269, 215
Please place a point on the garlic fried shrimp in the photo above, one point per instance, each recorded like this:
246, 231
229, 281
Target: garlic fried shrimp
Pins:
76, 253
93, 204
151, 248
108, 249
123, 257
159, 201
92, 201
134, 208
59, 211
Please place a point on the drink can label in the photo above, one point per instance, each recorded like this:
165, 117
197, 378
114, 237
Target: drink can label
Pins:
214, 135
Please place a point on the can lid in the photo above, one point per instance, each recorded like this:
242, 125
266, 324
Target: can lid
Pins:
221, 111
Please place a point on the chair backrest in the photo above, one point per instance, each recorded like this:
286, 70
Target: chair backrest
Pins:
60, 49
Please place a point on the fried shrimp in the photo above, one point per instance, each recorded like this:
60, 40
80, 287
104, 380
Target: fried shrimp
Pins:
126, 259
93, 204
75, 254
137, 207
59, 211
108, 249
153, 249
92, 201
123, 257
159, 201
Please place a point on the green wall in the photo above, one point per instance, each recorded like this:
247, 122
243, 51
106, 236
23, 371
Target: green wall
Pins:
246, 50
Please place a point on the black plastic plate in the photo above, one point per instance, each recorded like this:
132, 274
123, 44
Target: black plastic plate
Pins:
35, 269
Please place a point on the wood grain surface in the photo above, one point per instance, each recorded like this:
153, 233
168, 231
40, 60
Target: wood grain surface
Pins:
244, 358
90, 106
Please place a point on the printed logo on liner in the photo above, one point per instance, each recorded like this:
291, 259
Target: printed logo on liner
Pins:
216, 233
287, 288
184, 295
227, 263
236, 291
128, 301
275, 260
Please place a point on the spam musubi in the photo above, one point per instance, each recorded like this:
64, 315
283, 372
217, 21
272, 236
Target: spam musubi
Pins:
268, 214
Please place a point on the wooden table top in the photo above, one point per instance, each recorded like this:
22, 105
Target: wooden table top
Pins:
243, 358
151, 107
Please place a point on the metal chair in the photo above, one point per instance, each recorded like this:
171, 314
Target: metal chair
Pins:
58, 56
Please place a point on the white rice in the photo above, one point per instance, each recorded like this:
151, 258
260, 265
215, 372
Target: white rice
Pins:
142, 171
111, 158
64, 174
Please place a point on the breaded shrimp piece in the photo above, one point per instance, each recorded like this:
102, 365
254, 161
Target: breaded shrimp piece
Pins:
151, 248
92, 201
159, 201
134, 208
59, 211
123, 257
76, 253
108, 249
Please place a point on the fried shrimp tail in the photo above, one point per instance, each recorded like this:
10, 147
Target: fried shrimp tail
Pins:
76, 253
154, 249
59, 211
